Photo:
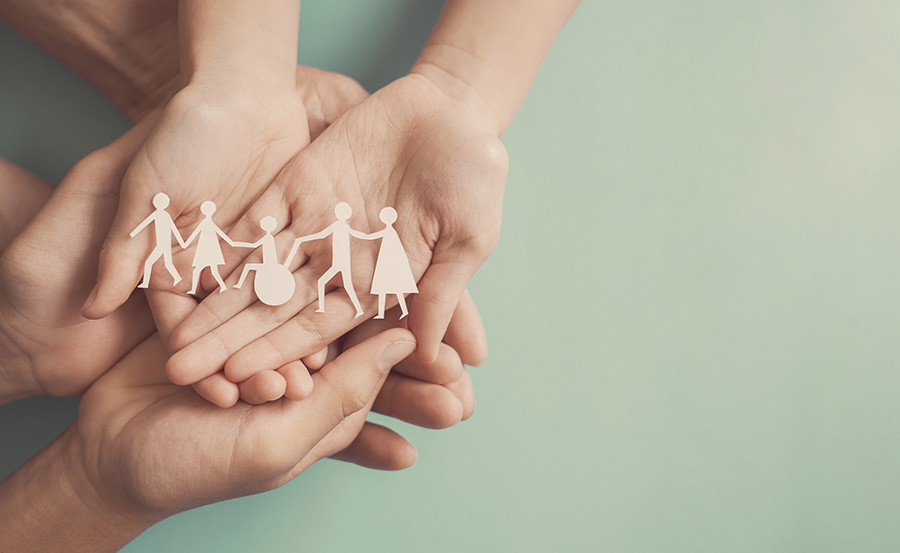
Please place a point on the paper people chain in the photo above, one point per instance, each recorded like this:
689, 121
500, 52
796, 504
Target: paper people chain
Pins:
273, 283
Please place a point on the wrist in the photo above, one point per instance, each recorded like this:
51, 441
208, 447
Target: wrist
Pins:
464, 80
225, 41
50, 504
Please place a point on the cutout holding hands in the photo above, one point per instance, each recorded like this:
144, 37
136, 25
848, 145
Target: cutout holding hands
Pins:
274, 284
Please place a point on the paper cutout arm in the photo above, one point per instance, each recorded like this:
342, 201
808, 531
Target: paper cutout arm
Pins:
256, 244
143, 225
191, 237
309, 237
374, 236
177, 234
224, 236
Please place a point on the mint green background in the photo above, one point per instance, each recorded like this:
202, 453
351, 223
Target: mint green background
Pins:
692, 312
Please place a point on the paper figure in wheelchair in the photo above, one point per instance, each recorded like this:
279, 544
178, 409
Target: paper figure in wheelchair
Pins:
273, 282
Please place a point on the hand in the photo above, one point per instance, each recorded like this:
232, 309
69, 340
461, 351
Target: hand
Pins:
410, 146
143, 449
46, 272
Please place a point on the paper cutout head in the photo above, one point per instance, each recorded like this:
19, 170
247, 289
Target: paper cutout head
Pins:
343, 211
161, 201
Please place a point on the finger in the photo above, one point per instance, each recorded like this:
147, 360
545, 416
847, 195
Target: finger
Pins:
465, 392
380, 448
446, 368
103, 300
440, 290
262, 387
122, 256
317, 360
309, 331
465, 332
343, 388
169, 309
299, 383
416, 402
218, 390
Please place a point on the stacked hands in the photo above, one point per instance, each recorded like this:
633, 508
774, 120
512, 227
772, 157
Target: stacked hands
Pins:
192, 396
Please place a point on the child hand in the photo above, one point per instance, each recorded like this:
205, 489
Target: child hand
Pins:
433, 157
212, 143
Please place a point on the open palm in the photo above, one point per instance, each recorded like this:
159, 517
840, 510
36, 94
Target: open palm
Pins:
408, 147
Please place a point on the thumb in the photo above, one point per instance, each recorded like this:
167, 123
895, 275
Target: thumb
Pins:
347, 385
121, 263
121, 259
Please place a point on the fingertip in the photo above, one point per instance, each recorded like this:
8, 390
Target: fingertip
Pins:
176, 373
299, 383
217, 390
427, 350
317, 360
406, 456
263, 387
236, 370
476, 355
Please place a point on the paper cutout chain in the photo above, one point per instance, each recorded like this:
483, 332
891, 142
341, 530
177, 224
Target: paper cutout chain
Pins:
273, 283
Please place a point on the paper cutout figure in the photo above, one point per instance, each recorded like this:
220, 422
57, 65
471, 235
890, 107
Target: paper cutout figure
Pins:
273, 283
164, 228
340, 233
392, 272
209, 252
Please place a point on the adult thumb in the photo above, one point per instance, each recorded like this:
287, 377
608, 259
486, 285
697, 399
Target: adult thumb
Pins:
349, 383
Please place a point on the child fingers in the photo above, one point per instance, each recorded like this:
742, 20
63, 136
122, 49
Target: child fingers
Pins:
317, 360
239, 308
465, 332
421, 403
308, 332
299, 382
169, 309
464, 391
446, 368
210, 352
440, 290
379, 448
263, 387
218, 390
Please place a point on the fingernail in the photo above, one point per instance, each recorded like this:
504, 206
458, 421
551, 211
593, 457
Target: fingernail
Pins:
394, 353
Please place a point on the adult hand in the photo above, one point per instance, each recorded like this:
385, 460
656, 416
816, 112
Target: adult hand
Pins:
47, 271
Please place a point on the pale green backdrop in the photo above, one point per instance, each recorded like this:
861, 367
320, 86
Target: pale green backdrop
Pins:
692, 313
